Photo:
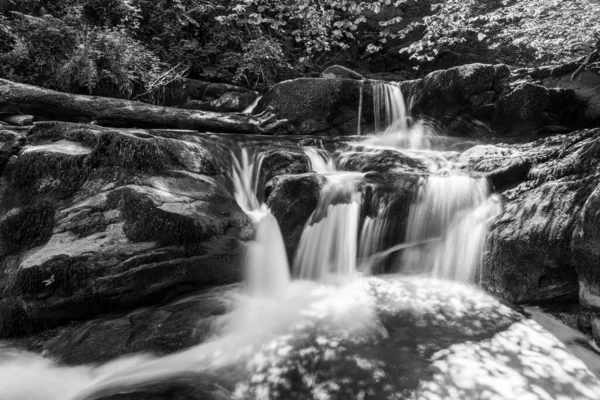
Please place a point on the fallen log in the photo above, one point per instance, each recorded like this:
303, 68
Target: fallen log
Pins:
18, 98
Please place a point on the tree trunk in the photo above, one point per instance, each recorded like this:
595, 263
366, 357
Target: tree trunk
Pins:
18, 98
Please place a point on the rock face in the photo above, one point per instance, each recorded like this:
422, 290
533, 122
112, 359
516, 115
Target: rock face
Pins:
544, 246
320, 106
470, 100
96, 220
480, 99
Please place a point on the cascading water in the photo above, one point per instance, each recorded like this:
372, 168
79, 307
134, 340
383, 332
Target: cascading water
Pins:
388, 102
320, 160
307, 338
265, 262
245, 176
328, 245
458, 256
442, 201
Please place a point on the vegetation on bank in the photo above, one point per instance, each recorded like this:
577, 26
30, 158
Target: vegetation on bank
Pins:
142, 49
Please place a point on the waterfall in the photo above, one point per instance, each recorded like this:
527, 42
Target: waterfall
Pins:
389, 102
320, 160
391, 116
265, 262
373, 231
458, 256
328, 245
452, 208
245, 176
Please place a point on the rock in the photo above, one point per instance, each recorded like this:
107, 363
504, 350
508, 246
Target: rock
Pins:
529, 108
104, 220
233, 102
162, 330
20, 120
542, 246
292, 199
339, 72
10, 145
381, 161
468, 91
319, 106
284, 162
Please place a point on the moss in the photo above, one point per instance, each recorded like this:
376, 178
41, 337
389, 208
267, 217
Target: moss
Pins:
14, 320
71, 274
57, 130
129, 151
27, 227
146, 222
42, 172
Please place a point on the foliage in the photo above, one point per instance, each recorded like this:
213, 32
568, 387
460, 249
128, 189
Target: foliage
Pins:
522, 32
142, 49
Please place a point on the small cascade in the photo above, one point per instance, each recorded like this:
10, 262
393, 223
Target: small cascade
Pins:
389, 101
442, 201
320, 160
328, 245
373, 231
252, 106
459, 255
245, 176
265, 262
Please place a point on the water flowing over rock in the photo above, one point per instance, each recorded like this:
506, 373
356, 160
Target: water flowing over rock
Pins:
121, 249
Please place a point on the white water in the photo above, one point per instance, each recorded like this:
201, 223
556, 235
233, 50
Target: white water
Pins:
444, 201
252, 106
328, 245
320, 160
446, 232
265, 263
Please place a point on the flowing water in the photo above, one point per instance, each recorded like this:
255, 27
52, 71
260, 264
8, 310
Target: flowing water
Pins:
324, 328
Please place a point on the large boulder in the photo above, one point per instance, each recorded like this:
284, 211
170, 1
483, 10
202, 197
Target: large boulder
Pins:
542, 246
320, 106
481, 99
97, 220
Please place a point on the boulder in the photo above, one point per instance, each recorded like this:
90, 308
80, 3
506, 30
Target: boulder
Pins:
162, 330
320, 106
540, 248
292, 199
97, 220
284, 162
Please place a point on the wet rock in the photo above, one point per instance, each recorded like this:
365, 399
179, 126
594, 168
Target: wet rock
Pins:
339, 72
319, 106
540, 248
97, 220
284, 162
529, 108
159, 331
20, 120
10, 144
379, 161
292, 199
